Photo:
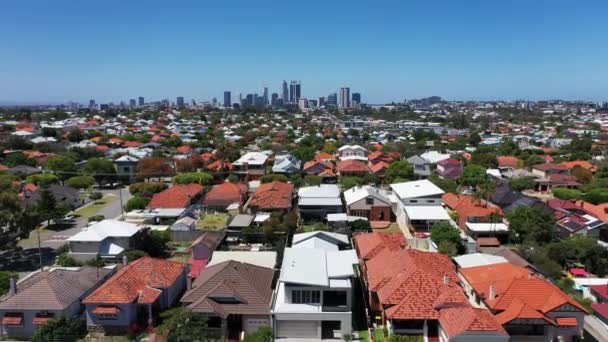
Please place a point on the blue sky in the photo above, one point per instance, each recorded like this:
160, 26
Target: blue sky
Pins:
114, 50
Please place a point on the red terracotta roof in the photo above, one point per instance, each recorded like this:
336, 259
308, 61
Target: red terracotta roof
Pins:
378, 167
183, 149
369, 245
106, 309
507, 161
322, 156
132, 144
273, 195
461, 319
225, 194
352, 166
449, 161
177, 196
582, 163
139, 281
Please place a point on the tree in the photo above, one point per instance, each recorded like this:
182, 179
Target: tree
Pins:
135, 254
5, 280
444, 232
42, 179
102, 169
153, 242
399, 171
448, 248
147, 189
47, 206
522, 183
183, 325
566, 194
473, 175
444, 184
534, 160
18, 158
202, 178
313, 180
350, 182
262, 334
532, 225
360, 226
61, 329
581, 174
596, 196
137, 202
153, 167
75, 135
305, 153
62, 165
80, 182
274, 177
484, 159
474, 139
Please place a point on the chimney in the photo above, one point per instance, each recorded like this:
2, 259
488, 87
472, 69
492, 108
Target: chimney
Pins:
125, 260
446, 279
492, 292
13, 286
188, 283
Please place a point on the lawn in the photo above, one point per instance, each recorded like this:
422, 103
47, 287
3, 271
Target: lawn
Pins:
213, 222
363, 335
379, 335
92, 209
307, 228
393, 228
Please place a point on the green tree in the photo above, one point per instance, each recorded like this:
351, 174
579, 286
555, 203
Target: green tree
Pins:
274, 177
18, 158
102, 169
63, 166
444, 184
42, 179
399, 171
305, 153
522, 183
5, 280
202, 178
183, 325
80, 182
137, 202
596, 196
444, 232
153, 242
473, 175
360, 226
61, 329
147, 188
350, 182
262, 334
534, 159
47, 207
566, 194
581, 174
75, 135
532, 225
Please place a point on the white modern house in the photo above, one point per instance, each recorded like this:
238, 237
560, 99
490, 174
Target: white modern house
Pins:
434, 157
252, 164
107, 239
319, 200
367, 201
353, 152
314, 294
418, 204
286, 163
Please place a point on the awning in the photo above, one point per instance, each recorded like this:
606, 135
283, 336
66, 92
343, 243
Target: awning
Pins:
12, 319
106, 310
566, 321
427, 213
40, 320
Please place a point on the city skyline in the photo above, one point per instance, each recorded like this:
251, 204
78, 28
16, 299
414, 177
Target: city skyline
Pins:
476, 50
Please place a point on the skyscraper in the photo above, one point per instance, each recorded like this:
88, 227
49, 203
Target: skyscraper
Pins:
179, 101
285, 96
265, 96
344, 97
227, 100
356, 97
292, 91
92, 104
332, 100
274, 99
141, 101
321, 101
132, 103
298, 90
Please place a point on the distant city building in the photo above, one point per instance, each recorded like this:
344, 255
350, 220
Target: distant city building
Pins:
356, 97
141, 101
132, 103
312, 103
344, 97
303, 103
214, 102
227, 99
285, 96
295, 91
92, 104
332, 100
179, 101
321, 101
249, 99
266, 96
274, 100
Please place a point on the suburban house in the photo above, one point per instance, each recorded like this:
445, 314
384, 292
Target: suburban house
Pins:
286, 163
525, 304
379, 156
107, 239
64, 195
352, 168
367, 201
223, 195
235, 296
434, 157
133, 296
378, 169
508, 163
422, 168
314, 294
251, 165
418, 204
353, 152
545, 170
44, 295
477, 218
127, 166
316, 167
176, 197
571, 219
450, 168
317, 201
273, 196
416, 293
509, 200
201, 250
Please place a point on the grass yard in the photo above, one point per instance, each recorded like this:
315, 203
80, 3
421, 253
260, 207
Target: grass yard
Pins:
379, 335
393, 228
92, 209
363, 336
213, 222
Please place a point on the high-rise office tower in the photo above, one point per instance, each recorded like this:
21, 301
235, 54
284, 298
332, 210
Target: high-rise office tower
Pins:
321, 101
214, 102
303, 103
249, 99
132, 103
274, 99
344, 97
292, 91
227, 100
356, 97
141, 101
266, 96
179, 101
298, 90
92, 104
285, 96
332, 100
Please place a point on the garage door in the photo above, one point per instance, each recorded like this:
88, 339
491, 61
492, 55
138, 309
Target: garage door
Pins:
253, 324
297, 329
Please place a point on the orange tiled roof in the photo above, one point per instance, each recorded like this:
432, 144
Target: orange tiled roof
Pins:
369, 245
350, 166
508, 161
378, 167
582, 163
273, 195
600, 210
463, 318
177, 196
226, 194
322, 156
132, 144
183, 149
139, 281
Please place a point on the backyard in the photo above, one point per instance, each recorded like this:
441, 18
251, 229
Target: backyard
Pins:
94, 207
213, 222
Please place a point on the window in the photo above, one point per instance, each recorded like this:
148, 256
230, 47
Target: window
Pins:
107, 317
305, 297
413, 201
369, 201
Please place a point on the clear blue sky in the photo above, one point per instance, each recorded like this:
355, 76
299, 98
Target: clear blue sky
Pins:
112, 50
